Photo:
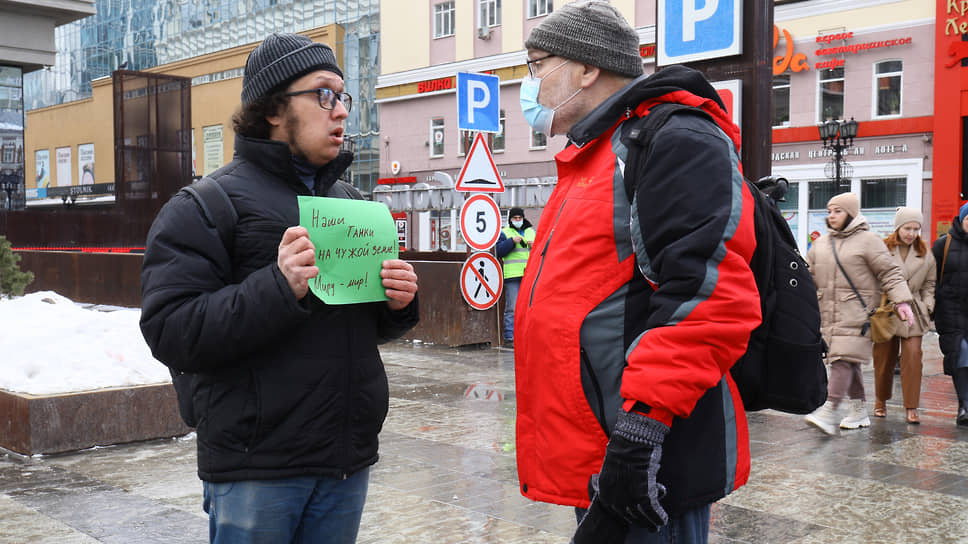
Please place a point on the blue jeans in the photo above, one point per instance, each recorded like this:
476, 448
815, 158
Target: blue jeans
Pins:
511, 287
689, 527
290, 510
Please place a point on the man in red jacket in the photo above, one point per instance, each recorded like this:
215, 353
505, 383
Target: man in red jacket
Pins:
639, 296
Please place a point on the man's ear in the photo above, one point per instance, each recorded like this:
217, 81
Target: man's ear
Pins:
275, 120
590, 75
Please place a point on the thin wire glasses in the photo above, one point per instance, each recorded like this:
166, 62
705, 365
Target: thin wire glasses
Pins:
534, 66
328, 98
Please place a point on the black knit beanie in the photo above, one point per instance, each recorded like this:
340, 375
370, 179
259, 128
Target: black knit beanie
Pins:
281, 58
591, 32
515, 211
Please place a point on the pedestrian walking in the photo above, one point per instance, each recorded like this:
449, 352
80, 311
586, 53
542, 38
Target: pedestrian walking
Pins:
638, 296
918, 267
288, 393
851, 266
951, 308
514, 249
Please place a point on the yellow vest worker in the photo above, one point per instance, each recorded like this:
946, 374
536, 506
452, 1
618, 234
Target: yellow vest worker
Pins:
514, 248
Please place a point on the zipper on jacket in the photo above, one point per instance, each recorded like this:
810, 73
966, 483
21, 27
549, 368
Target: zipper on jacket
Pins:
544, 250
587, 365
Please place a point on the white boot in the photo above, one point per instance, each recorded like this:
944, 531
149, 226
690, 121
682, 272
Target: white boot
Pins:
856, 416
824, 418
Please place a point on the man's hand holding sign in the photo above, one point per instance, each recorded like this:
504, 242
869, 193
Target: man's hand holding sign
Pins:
339, 248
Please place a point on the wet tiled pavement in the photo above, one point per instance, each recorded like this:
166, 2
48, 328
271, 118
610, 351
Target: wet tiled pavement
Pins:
447, 475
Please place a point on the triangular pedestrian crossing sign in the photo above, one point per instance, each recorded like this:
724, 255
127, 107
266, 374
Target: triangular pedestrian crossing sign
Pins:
479, 173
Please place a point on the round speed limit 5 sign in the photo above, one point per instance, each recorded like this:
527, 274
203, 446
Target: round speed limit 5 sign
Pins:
480, 222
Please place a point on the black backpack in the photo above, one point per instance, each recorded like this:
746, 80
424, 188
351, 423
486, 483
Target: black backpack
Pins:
220, 214
783, 367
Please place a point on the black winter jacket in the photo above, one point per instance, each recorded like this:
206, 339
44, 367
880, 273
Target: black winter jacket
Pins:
283, 387
951, 294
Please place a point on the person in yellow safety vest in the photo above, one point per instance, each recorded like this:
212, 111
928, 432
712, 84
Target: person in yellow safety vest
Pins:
513, 248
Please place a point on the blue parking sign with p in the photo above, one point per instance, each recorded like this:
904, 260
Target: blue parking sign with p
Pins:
478, 102
692, 30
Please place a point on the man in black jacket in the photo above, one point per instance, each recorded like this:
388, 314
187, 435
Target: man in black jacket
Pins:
951, 306
288, 393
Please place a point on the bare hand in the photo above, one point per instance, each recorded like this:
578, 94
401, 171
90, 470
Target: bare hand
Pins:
400, 282
904, 312
297, 260
517, 239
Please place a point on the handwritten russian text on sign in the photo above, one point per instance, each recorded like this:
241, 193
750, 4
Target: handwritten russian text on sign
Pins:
481, 280
352, 239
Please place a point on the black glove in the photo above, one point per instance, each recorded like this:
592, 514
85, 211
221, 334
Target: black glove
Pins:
600, 525
627, 481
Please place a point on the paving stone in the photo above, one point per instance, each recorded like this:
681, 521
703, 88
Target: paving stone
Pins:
447, 473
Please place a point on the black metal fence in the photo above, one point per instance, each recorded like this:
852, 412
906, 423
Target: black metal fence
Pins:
152, 160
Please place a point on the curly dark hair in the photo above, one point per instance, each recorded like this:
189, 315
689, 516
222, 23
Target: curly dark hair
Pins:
250, 119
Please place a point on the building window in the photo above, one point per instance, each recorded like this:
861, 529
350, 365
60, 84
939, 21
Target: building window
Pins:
883, 193
443, 19
437, 137
831, 94
465, 141
490, 13
781, 100
497, 140
538, 140
820, 192
537, 8
887, 85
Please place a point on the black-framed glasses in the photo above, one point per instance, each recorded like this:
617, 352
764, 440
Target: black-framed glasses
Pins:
328, 98
532, 69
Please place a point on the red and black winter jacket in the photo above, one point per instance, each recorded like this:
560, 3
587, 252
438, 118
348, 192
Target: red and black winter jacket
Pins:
651, 300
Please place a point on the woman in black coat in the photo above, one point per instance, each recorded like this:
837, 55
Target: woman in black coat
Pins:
951, 306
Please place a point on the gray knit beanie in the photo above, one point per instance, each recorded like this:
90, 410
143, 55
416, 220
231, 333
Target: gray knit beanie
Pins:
281, 58
591, 32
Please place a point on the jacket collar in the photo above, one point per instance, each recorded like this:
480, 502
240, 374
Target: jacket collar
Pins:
857, 224
274, 158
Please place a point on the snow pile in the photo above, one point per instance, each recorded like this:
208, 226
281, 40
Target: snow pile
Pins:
50, 345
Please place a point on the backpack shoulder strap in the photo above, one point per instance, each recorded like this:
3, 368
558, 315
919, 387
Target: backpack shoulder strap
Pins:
639, 137
217, 207
944, 257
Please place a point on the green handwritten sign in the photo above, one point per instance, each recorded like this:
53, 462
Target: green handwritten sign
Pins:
352, 239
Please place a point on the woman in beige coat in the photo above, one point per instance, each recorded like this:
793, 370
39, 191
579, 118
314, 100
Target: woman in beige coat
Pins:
844, 316
918, 266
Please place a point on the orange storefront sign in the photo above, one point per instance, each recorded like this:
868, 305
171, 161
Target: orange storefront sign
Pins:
789, 60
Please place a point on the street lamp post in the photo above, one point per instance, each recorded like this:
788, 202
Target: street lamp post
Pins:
838, 136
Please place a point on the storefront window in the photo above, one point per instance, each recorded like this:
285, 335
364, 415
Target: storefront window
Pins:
12, 190
791, 206
883, 193
781, 100
887, 85
831, 94
820, 192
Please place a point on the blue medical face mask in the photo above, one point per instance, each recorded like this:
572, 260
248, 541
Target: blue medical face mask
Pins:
517, 224
538, 116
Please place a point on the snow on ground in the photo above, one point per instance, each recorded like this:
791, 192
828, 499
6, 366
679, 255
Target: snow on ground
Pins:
50, 345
